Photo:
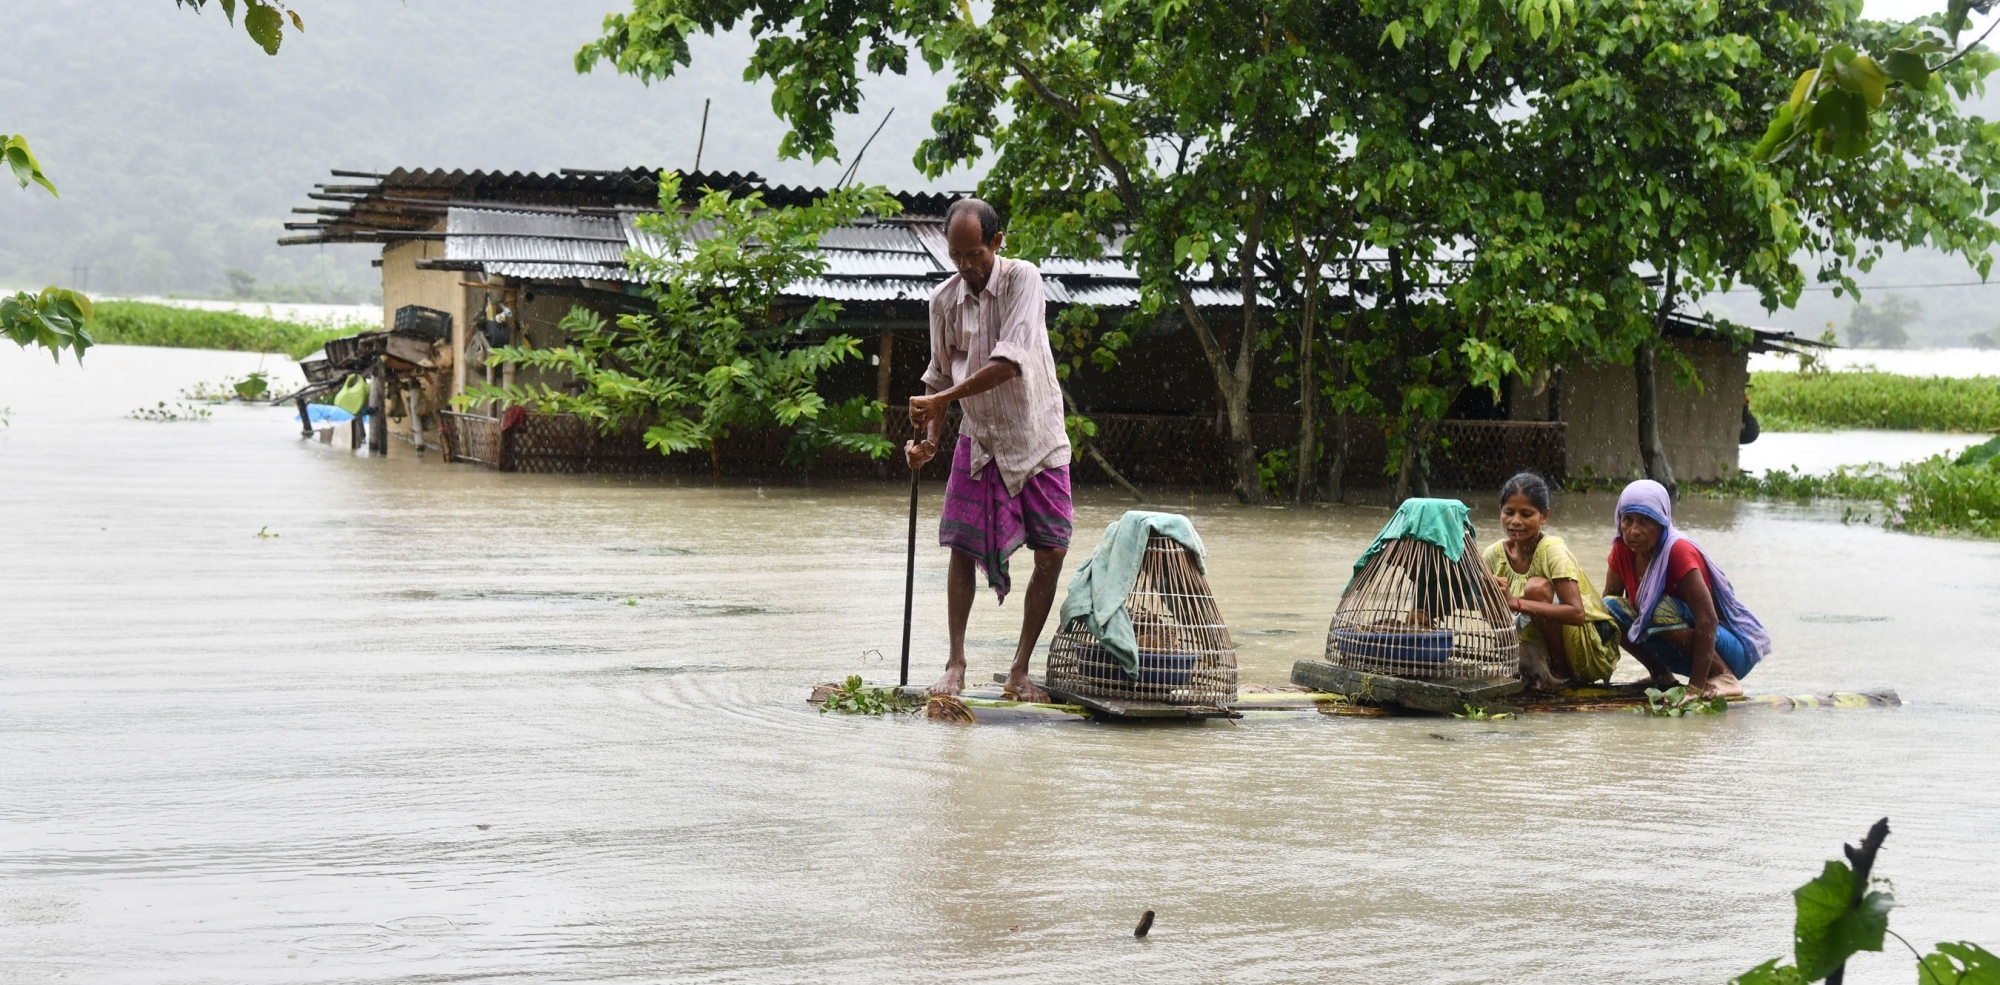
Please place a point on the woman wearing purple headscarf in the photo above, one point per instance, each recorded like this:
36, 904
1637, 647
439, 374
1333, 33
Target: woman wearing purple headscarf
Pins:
1696, 627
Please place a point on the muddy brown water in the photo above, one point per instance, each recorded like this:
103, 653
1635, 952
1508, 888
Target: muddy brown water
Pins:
453, 725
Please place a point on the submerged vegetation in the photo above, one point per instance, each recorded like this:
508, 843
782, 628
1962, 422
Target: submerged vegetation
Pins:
1868, 399
1936, 495
140, 323
163, 413
255, 386
1675, 702
853, 697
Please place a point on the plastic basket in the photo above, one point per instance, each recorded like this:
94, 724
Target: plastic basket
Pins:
417, 320
1421, 646
1172, 670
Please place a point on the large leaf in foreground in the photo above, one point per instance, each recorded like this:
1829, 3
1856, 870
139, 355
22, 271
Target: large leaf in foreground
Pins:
1833, 924
1963, 963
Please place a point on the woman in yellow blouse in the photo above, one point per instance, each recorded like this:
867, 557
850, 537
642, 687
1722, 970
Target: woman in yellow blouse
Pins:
1566, 632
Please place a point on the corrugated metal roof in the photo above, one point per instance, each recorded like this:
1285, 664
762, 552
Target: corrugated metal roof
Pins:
872, 263
1125, 295
864, 289
881, 261
372, 207
930, 235
494, 222
880, 236
557, 271
534, 238
1105, 267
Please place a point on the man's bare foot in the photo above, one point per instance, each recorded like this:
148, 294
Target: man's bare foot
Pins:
1023, 689
951, 683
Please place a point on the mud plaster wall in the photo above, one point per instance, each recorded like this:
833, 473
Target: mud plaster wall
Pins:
403, 283
1699, 428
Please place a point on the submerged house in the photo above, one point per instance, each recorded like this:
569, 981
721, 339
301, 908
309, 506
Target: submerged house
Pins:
504, 257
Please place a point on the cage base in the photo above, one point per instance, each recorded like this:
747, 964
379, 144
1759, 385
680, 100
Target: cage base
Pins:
1442, 695
1124, 708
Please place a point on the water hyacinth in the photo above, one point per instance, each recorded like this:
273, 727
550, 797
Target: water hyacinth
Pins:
1939, 495
139, 323
1874, 400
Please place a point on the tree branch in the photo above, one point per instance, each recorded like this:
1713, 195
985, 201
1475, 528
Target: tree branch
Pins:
1128, 195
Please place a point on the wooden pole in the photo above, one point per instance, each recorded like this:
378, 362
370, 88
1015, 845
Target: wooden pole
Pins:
305, 419
416, 419
884, 374
909, 583
378, 407
702, 141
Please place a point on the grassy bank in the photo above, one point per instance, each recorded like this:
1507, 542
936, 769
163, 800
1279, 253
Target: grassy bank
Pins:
1939, 495
139, 323
1886, 401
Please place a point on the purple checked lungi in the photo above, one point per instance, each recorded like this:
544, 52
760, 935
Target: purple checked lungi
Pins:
989, 525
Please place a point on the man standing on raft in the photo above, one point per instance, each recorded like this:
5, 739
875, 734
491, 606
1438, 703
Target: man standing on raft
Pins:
1010, 472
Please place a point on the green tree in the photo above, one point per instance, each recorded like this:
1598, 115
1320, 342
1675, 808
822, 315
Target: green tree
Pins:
1884, 324
1640, 143
724, 349
1541, 180
1185, 129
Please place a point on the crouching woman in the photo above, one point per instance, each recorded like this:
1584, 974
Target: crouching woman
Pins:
1695, 626
1566, 633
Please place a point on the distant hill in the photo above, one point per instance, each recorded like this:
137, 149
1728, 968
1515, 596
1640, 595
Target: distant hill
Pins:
180, 147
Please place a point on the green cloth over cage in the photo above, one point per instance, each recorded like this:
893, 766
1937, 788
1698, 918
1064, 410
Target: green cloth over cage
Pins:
1097, 593
1444, 522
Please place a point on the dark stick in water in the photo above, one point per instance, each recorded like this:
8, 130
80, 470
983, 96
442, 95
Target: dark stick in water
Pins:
909, 583
1145, 924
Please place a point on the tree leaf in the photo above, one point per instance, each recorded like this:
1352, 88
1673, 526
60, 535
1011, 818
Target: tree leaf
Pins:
266, 26
1963, 963
229, 11
22, 162
1769, 973
1860, 75
1907, 67
297, 24
1801, 89
1774, 135
1840, 118
1830, 926
1955, 15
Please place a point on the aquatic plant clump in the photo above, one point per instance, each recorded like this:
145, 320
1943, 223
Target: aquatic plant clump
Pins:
140, 323
163, 413
853, 697
1676, 702
1874, 400
255, 386
1938, 495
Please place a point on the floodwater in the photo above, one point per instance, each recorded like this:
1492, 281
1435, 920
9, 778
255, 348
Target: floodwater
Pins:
1820, 452
1907, 362
441, 724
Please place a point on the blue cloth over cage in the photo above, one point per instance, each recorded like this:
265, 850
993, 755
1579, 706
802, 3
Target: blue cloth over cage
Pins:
325, 414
